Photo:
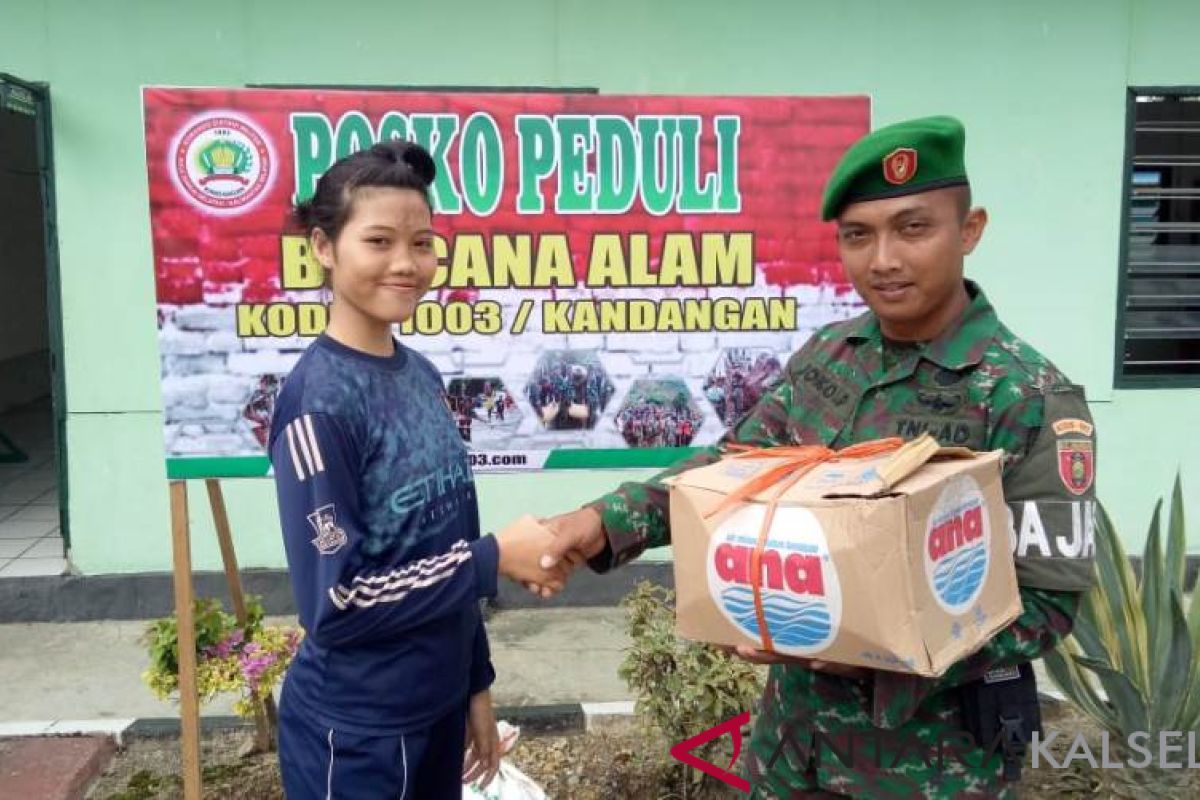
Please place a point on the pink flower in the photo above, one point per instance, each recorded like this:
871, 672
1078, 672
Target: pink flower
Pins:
226, 647
254, 662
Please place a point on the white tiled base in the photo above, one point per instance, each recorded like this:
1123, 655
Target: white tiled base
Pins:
31, 543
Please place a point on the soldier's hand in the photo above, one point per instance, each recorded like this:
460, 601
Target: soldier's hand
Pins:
756, 656
578, 535
520, 553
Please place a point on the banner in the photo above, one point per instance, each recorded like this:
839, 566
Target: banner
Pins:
619, 276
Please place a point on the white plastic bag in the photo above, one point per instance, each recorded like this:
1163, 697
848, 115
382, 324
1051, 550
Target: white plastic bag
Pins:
510, 783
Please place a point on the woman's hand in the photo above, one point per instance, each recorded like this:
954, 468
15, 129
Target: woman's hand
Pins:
482, 758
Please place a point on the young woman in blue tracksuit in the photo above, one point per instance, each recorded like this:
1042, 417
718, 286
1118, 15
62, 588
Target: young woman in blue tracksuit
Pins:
388, 696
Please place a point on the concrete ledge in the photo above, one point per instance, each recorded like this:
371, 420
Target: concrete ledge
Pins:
112, 728
84, 598
557, 719
146, 595
607, 716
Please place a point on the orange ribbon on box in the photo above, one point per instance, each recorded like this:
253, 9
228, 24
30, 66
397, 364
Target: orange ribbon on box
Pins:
798, 461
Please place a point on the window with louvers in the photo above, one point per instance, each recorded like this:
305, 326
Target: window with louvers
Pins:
1159, 315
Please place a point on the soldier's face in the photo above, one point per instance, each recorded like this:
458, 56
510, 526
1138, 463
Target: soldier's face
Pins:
904, 256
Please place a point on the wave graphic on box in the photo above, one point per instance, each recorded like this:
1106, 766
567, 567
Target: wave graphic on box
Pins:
792, 622
957, 577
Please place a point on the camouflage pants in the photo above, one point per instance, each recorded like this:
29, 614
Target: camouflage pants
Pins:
802, 746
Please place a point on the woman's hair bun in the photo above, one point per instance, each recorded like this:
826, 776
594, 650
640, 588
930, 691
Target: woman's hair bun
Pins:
415, 157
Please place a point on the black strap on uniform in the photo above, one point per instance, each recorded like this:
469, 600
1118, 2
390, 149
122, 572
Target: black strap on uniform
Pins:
1012, 745
1003, 705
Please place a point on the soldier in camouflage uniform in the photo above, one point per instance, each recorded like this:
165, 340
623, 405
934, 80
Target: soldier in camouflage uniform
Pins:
931, 356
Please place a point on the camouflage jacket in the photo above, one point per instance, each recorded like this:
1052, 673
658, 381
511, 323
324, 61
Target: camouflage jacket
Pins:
978, 386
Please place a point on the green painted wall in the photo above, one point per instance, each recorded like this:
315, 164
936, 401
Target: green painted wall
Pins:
1040, 85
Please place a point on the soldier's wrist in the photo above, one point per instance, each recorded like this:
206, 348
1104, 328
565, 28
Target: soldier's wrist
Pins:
621, 543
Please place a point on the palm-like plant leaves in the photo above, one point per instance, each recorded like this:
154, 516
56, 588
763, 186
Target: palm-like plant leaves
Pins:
1134, 640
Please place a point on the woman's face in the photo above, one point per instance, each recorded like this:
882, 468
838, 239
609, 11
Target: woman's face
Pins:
383, 260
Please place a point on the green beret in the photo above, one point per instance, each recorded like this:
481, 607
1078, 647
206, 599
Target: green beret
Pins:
906, 158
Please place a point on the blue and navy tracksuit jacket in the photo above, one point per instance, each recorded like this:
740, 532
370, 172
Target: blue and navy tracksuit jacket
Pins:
381, 527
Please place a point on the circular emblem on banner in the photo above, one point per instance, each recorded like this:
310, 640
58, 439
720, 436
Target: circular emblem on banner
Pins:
222, 162
956, 545
802, 600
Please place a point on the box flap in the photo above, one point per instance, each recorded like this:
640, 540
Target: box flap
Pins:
887, 473
847, 476
918, 464
725, 475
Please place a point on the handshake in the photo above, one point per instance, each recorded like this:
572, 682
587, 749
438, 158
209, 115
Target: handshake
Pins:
542, 558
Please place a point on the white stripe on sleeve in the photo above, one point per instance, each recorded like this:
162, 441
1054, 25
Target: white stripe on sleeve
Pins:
291, 438
302, 439
312, 442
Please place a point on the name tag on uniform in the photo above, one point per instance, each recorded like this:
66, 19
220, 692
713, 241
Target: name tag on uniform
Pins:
1001, 674
948, 430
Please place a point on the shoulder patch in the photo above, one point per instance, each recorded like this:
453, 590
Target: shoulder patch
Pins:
1076, 464
1075, 445
330, 537
1072, 425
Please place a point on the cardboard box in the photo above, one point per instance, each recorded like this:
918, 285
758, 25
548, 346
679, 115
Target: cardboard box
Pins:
898, 562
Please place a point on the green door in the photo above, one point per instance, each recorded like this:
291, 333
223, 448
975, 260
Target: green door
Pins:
33, 99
